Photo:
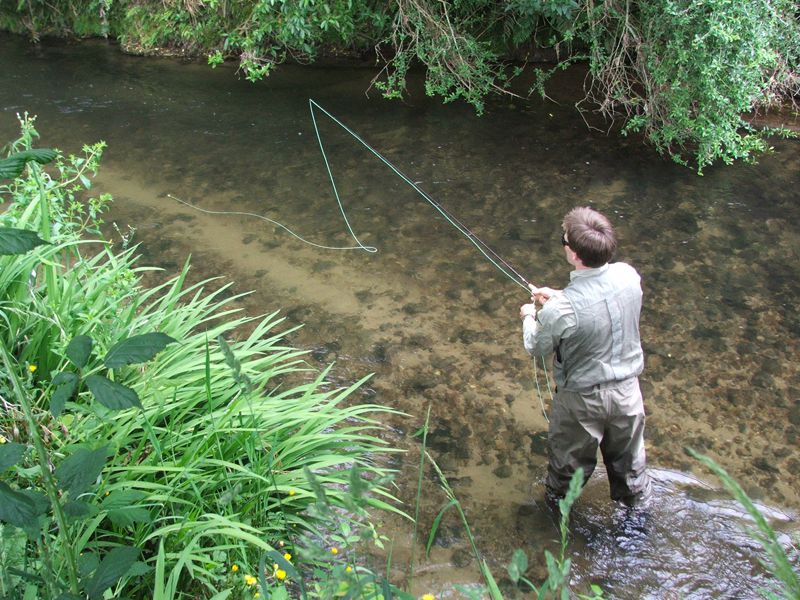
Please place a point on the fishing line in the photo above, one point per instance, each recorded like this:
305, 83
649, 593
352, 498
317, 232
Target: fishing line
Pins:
493, 257
502, 265
281, 225
539, 394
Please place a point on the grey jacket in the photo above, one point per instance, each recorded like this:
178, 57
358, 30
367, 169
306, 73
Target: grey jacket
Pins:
592, 326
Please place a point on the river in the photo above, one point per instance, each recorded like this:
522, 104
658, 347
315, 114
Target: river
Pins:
434, 320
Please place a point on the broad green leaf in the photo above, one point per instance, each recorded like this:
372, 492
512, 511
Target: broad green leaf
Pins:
39, 155
68, 596
111, 394
10, 454
279, 593
20, 508
40, 502
137, 349
112, 568
80, 470
12, 166
139, 568
66, 386
75, 509
79, 350
125, 517
87, 563
122, 499
18, 241
518, 566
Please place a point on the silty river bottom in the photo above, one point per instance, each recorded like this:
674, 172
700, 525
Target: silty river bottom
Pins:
435, 322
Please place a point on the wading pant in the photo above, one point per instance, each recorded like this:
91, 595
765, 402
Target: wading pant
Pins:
610, 417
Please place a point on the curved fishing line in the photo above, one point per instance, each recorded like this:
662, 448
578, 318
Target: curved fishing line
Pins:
539, 394
268, 220
333, 182
502, 265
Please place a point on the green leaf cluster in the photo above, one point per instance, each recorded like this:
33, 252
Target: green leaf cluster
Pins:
682, 72
116, 440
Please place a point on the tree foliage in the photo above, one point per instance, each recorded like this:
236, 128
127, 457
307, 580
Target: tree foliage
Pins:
682, 72
686, 71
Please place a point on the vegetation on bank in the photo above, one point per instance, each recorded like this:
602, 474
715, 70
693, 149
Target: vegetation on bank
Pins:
147, 445
682, 72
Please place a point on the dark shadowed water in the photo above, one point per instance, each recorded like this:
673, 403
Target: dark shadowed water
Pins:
437, 323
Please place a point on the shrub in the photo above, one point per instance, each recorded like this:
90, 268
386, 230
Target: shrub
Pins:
176, 446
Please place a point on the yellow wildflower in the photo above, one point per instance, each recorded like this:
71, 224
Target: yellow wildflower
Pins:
234, 568
334, 550
280, 574
349, 569
250, 580
292, 492
257, 595
287, 556
32, 368
3, 439
428, 597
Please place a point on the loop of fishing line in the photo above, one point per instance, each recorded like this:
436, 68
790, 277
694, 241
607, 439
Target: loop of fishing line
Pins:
502, 265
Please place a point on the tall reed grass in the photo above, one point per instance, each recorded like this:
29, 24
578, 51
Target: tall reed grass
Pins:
211, 471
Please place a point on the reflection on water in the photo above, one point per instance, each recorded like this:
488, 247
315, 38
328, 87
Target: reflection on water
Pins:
690, 542
433, 319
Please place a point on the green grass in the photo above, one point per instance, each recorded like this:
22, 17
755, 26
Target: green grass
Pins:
212, 470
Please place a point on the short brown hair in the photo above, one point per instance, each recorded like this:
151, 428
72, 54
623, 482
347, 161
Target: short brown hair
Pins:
590, 235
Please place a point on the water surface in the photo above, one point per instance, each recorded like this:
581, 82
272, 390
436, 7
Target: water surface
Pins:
437, 323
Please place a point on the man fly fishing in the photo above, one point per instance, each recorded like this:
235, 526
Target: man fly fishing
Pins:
592, 328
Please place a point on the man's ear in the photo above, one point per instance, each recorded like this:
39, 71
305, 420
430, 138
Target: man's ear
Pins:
574, 259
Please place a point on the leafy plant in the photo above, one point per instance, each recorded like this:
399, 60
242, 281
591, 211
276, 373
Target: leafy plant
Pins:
60, 500
681, 72
194, 454
685, 72
557, 583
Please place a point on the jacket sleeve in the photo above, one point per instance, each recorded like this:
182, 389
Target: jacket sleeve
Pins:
542, 334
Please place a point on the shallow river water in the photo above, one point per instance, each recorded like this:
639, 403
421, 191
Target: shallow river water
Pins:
435, 321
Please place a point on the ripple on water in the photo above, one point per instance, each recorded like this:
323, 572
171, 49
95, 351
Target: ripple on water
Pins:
691, 541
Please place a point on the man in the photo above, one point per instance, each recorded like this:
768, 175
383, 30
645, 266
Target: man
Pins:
592, 327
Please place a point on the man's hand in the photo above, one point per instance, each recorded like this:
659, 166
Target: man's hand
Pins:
540, 294
527, 310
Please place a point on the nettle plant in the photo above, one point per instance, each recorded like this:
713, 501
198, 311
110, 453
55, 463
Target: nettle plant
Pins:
52, 496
